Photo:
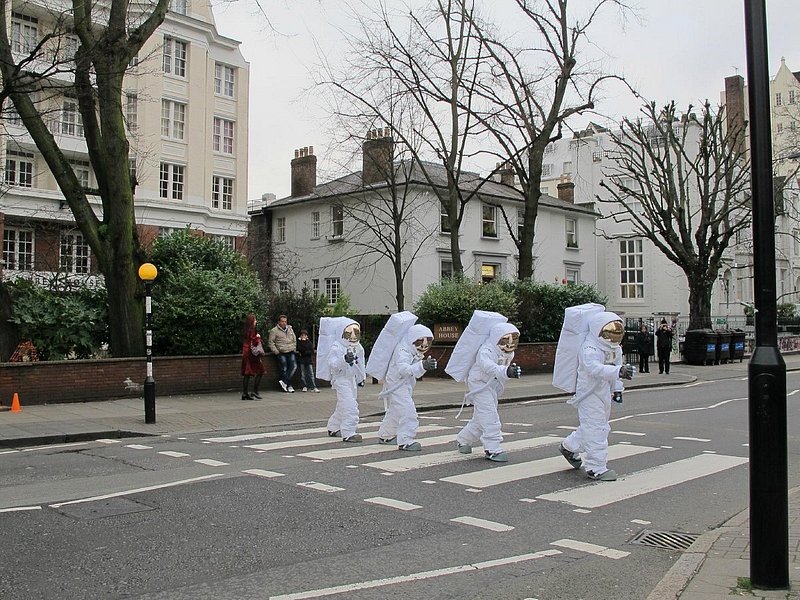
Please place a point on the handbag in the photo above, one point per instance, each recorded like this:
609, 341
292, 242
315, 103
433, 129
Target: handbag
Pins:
257, 349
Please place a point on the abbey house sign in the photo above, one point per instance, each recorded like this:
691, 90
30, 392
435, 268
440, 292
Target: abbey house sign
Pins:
446, 332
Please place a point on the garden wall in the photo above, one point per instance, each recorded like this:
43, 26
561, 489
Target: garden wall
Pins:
107, 379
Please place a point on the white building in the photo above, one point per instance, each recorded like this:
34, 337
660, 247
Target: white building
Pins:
186, 110
321, 237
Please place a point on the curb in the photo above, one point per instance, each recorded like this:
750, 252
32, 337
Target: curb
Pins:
67, 438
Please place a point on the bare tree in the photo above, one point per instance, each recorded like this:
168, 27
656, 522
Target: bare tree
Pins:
532, 87
429, 62
92, 71
683, 184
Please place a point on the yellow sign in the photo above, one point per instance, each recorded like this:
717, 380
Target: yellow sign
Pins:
487, 270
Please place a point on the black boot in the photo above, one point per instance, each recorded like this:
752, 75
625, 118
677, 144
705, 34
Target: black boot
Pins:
256, 383
245, 385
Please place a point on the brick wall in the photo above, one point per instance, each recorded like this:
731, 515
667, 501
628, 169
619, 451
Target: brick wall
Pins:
88, 380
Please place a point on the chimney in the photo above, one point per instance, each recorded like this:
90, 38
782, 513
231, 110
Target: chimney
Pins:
566, 191
734, 108
506, 173
304, 172
378, 156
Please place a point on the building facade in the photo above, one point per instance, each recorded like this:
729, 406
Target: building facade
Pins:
185, 106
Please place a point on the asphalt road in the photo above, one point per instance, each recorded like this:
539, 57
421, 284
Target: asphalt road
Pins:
286, 514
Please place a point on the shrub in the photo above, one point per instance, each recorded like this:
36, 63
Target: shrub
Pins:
304, 308
454, 300
61, 324
201, 296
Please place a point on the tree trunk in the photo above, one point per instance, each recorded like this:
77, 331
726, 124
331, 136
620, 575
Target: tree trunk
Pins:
699, 303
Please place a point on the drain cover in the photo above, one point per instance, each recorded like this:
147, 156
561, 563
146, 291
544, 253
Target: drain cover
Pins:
669, 540
112, 507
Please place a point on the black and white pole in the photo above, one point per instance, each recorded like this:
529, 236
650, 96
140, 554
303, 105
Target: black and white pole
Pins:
147, 273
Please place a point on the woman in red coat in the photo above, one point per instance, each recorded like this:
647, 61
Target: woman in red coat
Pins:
251, 363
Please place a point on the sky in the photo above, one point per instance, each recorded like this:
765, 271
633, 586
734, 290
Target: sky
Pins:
678, 50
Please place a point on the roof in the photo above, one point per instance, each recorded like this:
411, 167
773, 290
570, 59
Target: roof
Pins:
410, 173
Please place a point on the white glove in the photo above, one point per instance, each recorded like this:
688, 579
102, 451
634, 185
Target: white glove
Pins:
617, 397
514, 371
430, 363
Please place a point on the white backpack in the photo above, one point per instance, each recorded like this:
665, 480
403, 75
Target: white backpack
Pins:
573, 333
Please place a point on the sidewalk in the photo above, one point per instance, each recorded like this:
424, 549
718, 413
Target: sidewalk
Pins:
707, 571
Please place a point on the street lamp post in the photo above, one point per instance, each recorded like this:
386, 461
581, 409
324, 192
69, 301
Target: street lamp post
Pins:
147, 273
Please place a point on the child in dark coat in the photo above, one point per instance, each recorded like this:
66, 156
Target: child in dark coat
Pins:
306, 350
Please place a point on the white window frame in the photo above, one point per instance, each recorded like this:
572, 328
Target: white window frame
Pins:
179, 6
445, 269
131, 111
333, 289
172, 180
444, 223
71, 119
547, 169
19, 168
572, 273
83, 171
315, 285
631, 256
24, 33
222, 192
18, 249
315, 225
520, 222
566, 167
223, 135
173, 119
778, 99
229, 241
224, 80
337, 221
174, 57
74, 255
488, 221
571, 230
792, 97
280, 230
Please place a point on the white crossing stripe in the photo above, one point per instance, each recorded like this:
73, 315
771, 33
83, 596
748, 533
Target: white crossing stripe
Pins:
173, 454
107, 441
327, 440
138, 447
636, 433
644, 482
20, 508
545, 466
276, 434
421, 461
421, 576
363, 450
321, 487
392, 503
590, 548
691, 439
483, 524
210, 462
263, 473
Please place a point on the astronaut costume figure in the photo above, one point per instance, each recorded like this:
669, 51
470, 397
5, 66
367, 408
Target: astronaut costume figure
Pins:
599, 374
407, 364
341, 360
486, 380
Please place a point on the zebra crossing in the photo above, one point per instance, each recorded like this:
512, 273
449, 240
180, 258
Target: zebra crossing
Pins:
532, 457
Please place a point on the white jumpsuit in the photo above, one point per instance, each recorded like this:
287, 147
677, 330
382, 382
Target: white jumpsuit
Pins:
344, 380
598, 378
486, 381
405, 368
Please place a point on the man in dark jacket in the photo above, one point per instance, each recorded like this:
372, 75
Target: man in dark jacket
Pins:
664, 346
644, 345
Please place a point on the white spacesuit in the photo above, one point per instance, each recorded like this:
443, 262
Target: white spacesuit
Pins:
340, 359
486, 379
407, 364
599, 374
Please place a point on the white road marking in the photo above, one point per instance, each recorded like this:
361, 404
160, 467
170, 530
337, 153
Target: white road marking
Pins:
483, 524
275, 434
421, 576
473, 490
351, 451
793, 392
677, 410
636, 433
544, 466
138, 447
528, 500
9, 451
590, 548
20, 509
211, 462
327, 440
691, 439
644, 482
431, 418
568, 427
391, 503
640, 522
53, 446
709, 451
137, 490
521, 424
263, 473
421, 461
320, 487
582, 511
107, 441
173, 454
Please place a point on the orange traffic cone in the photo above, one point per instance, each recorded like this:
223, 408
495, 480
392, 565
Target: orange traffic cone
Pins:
15, 407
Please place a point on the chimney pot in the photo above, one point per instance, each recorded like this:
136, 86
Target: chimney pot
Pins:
377, 156
304, 172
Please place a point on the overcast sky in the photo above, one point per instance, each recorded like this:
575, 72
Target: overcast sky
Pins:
682, 50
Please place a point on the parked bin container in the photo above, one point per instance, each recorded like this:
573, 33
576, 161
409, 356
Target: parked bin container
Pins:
737, 345
723, 348
700, 346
